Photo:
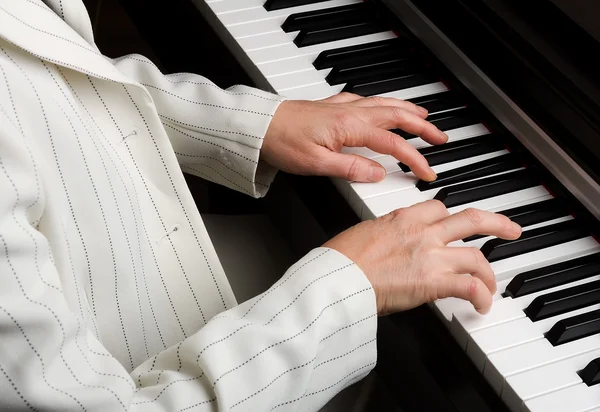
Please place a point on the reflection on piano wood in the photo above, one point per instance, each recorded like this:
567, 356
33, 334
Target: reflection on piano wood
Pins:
539, 347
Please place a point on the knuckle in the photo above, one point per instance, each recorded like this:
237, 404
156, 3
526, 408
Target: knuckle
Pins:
477, 257
343, 118
345, 95
378, 101
473, 216
343, 123
472, 287
396, 142
388, 140
397, 112
507, 224
439, 205
433, 255
353, 171
398, 213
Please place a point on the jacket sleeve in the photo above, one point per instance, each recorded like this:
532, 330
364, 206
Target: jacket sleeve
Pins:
197, 114
291, 348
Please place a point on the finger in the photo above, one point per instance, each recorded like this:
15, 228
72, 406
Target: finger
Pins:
351, 167
468, 288
378, 101
391, 117
343, 97
468, 260
383, 141
476, 222
427, 212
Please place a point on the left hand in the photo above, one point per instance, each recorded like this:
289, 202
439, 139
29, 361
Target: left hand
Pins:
306, 137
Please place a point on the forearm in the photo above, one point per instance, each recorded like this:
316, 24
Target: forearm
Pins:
216, 134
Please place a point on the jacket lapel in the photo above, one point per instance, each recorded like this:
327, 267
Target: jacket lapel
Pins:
32, 26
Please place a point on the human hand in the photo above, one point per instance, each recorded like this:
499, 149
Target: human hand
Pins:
305, 137
405, 256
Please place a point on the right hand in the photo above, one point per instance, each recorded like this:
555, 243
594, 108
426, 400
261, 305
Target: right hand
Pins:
406, 258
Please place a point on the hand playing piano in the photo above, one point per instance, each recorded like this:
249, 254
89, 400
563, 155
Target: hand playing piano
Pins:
406, 258
306, 137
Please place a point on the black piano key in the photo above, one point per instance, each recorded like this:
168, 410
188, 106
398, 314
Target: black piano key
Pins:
439, 102
361, 54
590, 375
576, 327
554, 275
449, 120
461, 149
328, 18
489, 167
532, 214
534, 239
373, 86
352, 29
563, 301
388, 67
271, 5
485, 188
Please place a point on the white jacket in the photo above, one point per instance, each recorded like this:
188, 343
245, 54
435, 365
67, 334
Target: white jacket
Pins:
109, 284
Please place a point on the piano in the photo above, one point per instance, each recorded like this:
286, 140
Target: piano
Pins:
516, 89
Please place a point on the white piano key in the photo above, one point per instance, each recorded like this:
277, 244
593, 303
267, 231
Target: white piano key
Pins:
228, 6
504, 364
313, 92
322, 91
231, 17
483, 343
389, 163
290, 66
400, 181
391, 166
265, 41
290, 50
541, 381
273, 20
343, 186
447, 306
299, 79
577, 398
305, 56
478, 243
256, 28
385, 202
466, 321
455, 135
361, 151
417, 91
506, 268
510, 200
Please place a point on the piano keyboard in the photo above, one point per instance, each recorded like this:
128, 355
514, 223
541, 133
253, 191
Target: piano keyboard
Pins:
539, 347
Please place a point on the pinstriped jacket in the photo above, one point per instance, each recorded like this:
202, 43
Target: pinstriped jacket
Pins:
111, 295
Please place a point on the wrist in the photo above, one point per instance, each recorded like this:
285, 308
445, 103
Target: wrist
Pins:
274, 131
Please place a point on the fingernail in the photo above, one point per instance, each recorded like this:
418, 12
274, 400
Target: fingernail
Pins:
517, 227
444, 135
481, 311
433, 174
376, 173
423, 110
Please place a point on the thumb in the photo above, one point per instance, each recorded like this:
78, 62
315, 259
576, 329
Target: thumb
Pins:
353, 167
